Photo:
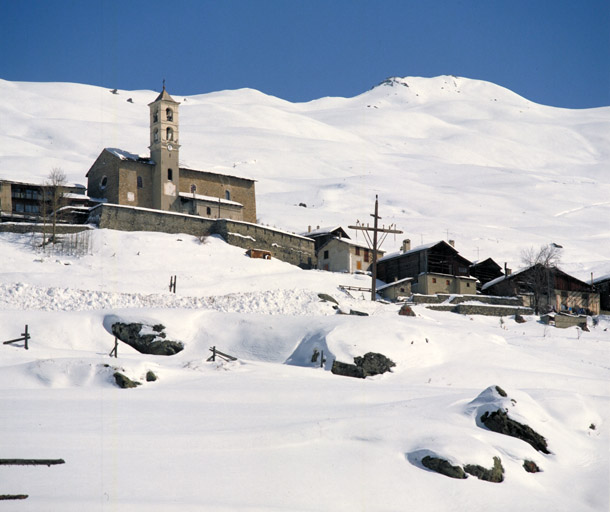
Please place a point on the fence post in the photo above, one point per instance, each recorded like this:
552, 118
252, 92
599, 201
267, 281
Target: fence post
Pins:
115, 350
172, 284
26, 337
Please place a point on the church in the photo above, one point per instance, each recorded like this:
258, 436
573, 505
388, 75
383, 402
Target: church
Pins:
158, 182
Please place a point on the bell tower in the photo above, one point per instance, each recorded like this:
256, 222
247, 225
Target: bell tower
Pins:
164, 148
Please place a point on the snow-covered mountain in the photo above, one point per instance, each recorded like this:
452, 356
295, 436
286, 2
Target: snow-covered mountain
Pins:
449, 157
276, 430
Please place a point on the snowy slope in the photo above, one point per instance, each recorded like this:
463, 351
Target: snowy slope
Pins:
449, 157
274, 431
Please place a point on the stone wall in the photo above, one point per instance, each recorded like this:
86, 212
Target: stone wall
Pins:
483, 309
288, 247
27, 227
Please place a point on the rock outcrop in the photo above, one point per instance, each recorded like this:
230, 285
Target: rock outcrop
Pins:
146, 339
371, 363
498, 421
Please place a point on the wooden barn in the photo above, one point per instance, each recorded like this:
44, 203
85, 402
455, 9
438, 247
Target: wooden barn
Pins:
437, 268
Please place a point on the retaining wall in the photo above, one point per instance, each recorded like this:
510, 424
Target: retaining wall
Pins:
288, 247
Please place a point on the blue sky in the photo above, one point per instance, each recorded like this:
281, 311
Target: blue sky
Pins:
555, 52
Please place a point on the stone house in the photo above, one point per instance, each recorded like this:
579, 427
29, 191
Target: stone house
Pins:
345, 255
159, 182
397, 289
547, 289
435, 268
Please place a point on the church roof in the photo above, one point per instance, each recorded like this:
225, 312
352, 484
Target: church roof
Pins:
164, 95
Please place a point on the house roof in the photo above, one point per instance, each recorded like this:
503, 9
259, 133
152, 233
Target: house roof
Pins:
601, 279
351, 243
524, 270
419, 248
395, 283
126, 155
488, 262
331, 230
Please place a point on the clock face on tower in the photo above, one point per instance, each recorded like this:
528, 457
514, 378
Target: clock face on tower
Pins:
170, 147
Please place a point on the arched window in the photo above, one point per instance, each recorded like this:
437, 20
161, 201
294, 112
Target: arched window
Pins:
169, 114
169, 133
208, 210
227, 195
156, 116
156, 135
103, 182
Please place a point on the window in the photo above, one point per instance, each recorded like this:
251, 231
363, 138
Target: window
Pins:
169, 133
156, 116
169, 114
103, 182
156, 135
140, 184
193, 188
357, 251
434, 279
467, 285
170, 175
227, 195
325, 255
366, 255
208, 211
447, 282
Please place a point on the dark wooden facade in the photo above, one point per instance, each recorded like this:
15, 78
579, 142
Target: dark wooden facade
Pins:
439, 258
602, 286
485, 271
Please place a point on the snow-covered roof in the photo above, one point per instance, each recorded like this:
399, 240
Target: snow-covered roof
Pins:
209, 199
126, 155
351, 243
329, 230
419, 248
395, 283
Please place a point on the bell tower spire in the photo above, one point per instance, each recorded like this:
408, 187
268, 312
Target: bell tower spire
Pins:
164, 151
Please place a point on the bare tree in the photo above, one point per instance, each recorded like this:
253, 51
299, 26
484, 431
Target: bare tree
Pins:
541, 263
53, 192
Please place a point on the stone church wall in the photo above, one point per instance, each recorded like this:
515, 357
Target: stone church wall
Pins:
287, 247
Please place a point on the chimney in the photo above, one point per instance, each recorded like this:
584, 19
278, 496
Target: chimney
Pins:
507, 271
452, 243
406, 245
309, 229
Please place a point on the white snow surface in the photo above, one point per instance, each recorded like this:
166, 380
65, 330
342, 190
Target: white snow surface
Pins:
449, 157
273, 430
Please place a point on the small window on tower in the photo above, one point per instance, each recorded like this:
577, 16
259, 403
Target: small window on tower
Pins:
227, 195
156, 135
156, 116
169, 133
140, 185
169, 114
208, 211
170, 175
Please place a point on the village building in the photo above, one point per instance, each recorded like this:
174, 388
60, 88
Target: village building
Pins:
322, 235
547, 289
602, 286
159, 182
397, 290
485, 271
345, 255
29, 202
435, 268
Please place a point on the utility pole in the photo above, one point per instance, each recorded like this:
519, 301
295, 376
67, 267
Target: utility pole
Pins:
375, 243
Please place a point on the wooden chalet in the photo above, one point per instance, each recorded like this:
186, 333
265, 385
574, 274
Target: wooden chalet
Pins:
602, 286
485, 271
547, 289
437, 267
